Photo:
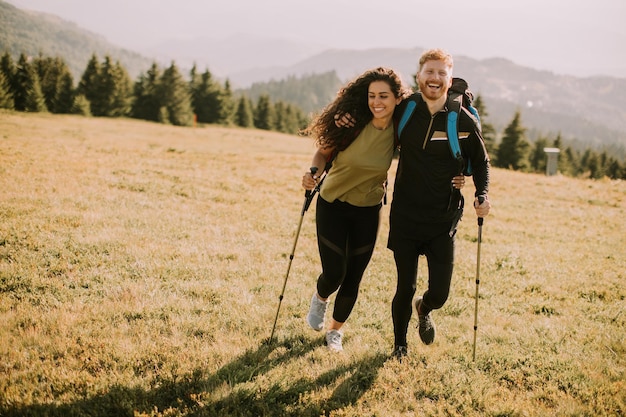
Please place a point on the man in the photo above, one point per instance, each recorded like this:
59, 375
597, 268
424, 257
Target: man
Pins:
425, 207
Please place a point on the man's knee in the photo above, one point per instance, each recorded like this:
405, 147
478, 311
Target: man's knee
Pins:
434, 300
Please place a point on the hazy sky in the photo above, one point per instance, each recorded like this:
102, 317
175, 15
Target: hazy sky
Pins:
579, 37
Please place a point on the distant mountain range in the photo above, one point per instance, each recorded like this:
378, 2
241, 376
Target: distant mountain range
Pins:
590, 110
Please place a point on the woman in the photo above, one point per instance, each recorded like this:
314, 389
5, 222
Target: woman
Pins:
350, 198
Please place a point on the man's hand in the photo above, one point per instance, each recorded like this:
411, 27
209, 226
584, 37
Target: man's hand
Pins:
458, 182
482, 206
344, 120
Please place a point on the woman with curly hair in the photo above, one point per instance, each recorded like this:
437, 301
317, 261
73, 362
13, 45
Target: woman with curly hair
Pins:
350, 198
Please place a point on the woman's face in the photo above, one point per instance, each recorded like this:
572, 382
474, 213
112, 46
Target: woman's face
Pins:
381, 100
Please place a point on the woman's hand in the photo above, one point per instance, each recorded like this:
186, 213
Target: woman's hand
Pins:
309, 181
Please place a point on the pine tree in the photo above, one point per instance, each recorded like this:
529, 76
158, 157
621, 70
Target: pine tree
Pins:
194, 82
280, 120
28, 95
243, 115
591, 164
175, 98
538, 157
513, 150
205, 97
100, 96
571, 162
488, 131
112, 90
7, 67
614, 170
88, 84
66, 95
57, 84
227, 104
6, 98
122, 94
7, 80
146, 103
264, 117
563, 164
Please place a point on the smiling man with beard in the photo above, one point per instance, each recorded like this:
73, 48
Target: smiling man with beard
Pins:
425, 206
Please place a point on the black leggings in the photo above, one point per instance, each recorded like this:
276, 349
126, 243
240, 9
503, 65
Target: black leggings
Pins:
434, 241
346, 236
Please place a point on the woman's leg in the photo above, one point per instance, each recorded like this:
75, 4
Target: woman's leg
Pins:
363, 223
332, 237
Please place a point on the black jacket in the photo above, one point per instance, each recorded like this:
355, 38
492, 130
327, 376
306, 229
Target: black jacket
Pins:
422, 190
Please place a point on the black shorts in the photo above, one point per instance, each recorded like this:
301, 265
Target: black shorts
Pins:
432, 239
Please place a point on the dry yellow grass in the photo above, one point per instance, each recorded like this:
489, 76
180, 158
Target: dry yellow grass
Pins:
140, 268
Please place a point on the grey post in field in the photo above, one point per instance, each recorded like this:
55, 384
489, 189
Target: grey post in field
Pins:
553, 159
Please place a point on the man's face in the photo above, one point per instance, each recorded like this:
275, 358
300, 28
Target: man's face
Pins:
434, 79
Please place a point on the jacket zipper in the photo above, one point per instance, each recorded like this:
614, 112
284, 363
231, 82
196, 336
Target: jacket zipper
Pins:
430, 125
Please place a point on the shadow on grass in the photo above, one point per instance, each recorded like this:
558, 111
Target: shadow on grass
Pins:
232, 390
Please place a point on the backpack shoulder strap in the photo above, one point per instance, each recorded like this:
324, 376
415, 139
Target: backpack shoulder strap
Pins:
452, 127
406, 115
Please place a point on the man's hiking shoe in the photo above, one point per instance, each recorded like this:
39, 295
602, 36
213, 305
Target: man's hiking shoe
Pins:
399, 353
426, 324
333, 340
317, 311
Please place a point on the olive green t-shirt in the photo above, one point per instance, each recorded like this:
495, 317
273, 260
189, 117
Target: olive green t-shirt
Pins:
359, 172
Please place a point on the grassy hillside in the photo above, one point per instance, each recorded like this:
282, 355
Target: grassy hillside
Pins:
140, 268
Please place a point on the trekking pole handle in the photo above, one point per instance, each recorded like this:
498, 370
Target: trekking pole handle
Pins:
481, 199
307, 193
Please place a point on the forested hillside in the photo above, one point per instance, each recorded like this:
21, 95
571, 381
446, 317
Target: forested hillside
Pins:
589, 110
166, 95
36, 33
310, 93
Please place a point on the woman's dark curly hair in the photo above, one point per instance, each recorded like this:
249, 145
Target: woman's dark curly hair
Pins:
352, 99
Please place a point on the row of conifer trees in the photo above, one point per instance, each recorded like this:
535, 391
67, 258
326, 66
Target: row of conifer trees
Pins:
46, 84
515, 151
105, 89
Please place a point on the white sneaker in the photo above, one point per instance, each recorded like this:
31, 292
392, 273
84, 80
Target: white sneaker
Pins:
317, 311
333, 340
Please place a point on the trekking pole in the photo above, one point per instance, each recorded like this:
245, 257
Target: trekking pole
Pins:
480, 238
308, 197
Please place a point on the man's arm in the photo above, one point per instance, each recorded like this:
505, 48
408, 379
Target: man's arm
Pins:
480, 172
